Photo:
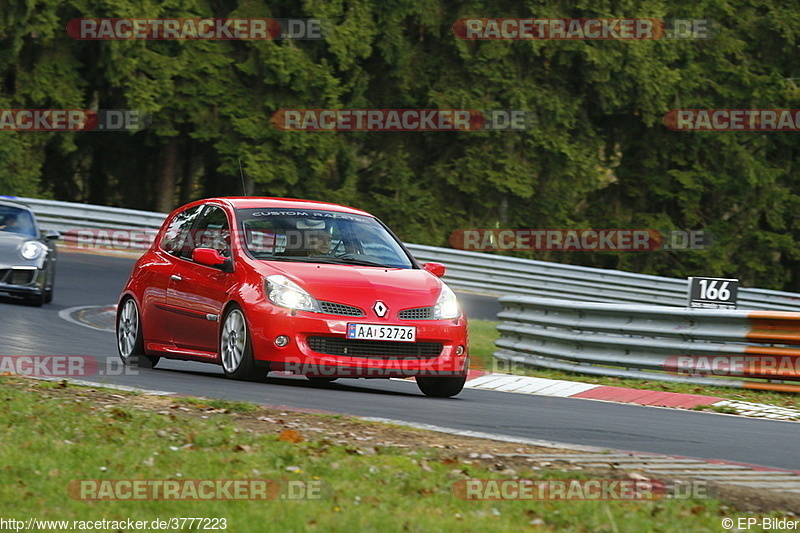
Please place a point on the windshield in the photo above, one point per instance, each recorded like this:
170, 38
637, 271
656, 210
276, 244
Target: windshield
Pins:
16, 220
314, 236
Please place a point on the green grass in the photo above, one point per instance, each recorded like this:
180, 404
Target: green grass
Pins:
49, 440
228, 405
483, 334
722, 409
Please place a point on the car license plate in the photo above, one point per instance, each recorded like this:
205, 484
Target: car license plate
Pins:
376, 332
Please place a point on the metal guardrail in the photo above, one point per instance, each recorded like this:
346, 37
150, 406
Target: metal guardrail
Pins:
699, 346
65, 216
469, 271
501, 276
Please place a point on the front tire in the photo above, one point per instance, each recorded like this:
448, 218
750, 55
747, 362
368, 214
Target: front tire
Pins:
130, 342
51, 279
236, 349
44, 297
437, 387
36, 300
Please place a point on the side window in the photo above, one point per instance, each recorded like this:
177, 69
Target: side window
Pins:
212, 231
176, 236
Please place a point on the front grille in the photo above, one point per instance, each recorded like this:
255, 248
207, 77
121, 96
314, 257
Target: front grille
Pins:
22, 277
418, 313
17, 276
375, 349
332, 308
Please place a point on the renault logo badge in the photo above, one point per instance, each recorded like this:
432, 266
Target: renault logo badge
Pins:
380, 308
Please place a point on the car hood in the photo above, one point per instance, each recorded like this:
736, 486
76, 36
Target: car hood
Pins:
397, 288
10, 243
9, 251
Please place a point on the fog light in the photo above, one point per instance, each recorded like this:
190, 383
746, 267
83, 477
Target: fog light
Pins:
460, 350
281, 341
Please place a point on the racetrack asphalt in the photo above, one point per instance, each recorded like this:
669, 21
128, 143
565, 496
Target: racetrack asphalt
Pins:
96, 280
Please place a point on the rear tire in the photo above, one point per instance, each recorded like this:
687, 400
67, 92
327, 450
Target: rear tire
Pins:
436, 387
236, 349
130, 342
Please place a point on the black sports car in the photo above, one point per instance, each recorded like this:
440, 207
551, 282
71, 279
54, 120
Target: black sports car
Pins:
27, 255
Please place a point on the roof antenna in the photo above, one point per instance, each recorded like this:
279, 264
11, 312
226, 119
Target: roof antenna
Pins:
244, 184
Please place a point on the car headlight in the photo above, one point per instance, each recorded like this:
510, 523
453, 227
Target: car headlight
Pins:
447, 305
286, 293
30, 250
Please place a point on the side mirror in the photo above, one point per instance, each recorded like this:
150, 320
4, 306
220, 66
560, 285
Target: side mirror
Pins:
437, 269
51, 235
212, 258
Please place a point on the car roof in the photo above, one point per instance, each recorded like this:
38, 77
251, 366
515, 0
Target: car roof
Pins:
255, 202
10, 203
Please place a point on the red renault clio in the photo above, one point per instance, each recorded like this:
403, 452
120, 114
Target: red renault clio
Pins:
316, 289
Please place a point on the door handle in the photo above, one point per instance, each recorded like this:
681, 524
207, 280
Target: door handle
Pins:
175, 277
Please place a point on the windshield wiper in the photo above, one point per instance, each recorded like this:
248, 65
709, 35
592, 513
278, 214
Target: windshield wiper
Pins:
294, 258
347, 261
323, 259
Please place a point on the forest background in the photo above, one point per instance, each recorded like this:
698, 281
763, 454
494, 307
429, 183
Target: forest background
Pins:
599, 155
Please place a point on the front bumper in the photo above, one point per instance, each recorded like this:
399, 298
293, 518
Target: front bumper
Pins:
21, 281
267, 322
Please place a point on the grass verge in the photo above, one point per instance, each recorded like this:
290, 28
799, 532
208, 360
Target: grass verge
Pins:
56, 433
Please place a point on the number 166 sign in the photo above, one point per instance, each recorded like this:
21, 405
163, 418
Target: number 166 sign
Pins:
713, 293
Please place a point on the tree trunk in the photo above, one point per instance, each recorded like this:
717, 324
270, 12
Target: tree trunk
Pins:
188, 182
165, 186
98, 179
